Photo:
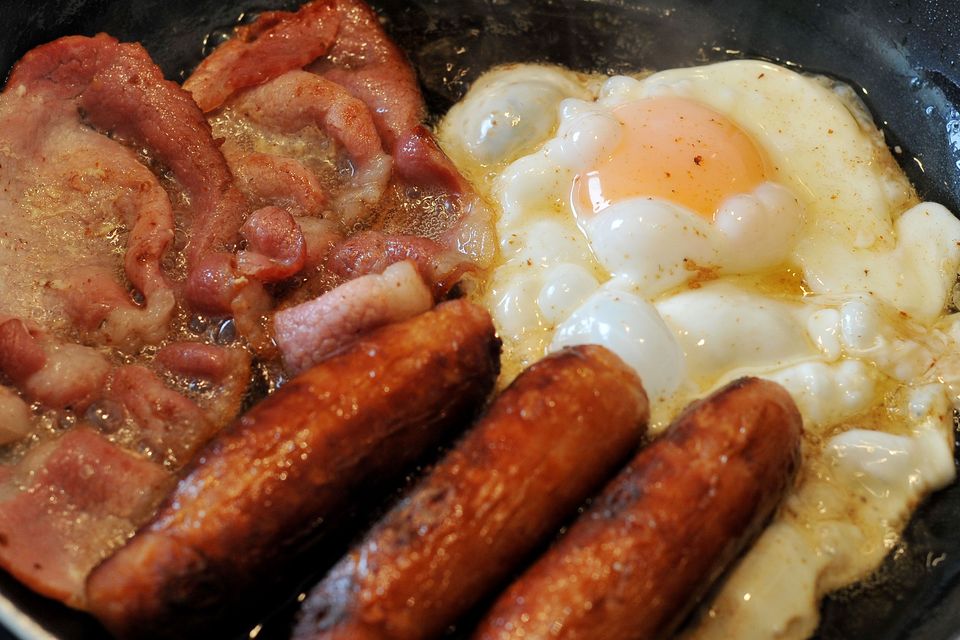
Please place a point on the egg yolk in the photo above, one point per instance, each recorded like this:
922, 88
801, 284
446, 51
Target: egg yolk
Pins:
674, 149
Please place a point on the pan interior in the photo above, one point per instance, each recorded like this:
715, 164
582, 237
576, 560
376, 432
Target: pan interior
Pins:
902, 56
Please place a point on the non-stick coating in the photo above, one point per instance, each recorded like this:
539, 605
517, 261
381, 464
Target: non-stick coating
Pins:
902, 55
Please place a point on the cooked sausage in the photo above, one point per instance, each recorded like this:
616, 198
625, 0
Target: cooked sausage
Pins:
260, 491
559, 431
665, 528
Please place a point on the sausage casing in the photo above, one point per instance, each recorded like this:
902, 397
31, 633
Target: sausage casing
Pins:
665, 528
257, 495
548, 442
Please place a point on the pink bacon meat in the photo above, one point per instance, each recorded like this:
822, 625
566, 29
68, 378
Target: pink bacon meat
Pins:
85, 222
120, 91
271, 46
67, 504
298, 99
310, 332
60, 375
266, 179
70, 195
351, 59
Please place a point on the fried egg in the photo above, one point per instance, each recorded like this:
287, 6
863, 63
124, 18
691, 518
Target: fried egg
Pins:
733, 219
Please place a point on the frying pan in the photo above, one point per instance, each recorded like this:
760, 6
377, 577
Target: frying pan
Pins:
901, 55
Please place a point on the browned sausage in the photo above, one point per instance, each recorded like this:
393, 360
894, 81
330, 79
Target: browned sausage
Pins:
562, 428
665, 528
258, 492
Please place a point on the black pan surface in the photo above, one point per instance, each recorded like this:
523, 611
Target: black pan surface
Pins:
903, 55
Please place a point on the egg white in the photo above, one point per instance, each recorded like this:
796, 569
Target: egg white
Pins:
830, 278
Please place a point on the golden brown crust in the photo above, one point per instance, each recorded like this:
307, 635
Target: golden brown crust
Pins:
297, 460
665, 527
561, 429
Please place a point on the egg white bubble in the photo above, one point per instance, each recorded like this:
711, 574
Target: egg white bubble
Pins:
565, 287
861, 325
649, 242
512, 110
529, 188
586, 133
545, 242
659, 245
926, 400
874, 332
725, 332
823, 327
630, 327
541, 181
915, 275
758, 229
828, 393
883, 462
514, 306
619, 89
